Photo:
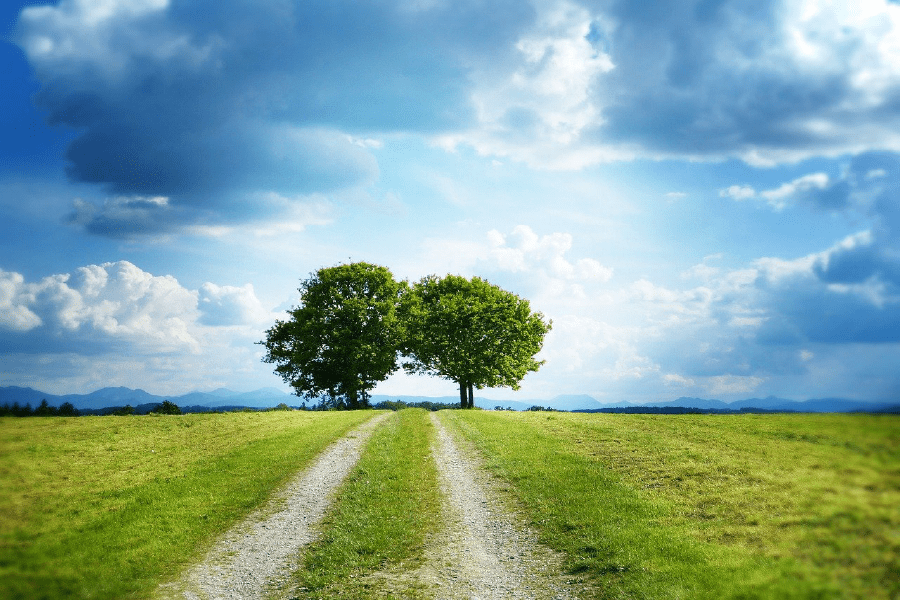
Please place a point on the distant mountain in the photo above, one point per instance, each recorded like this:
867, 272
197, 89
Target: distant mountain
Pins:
691, 403
111, 396
572, 402
270, 397
200, 399
264, 397
769, 403
122, 396
11, 394
222, 392
488, 404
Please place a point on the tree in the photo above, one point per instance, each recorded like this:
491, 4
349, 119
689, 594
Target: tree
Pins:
343, 337
44, 409
471, 332
166, 408
67, 409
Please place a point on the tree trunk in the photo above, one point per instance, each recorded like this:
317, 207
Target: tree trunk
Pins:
462, 394
471, 397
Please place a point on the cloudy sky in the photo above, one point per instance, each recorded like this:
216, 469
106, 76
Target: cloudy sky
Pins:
703, 195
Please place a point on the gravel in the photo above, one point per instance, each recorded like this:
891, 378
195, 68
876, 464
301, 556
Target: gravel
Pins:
481, 551
260, 553
485, 551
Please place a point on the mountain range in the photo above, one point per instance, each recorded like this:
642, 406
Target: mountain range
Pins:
270, 397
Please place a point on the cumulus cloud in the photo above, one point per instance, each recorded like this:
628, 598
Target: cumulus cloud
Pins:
116, 324
209, 103
774, 326
16, 316
523, 249
116, 306
767, 82
230, 305
114, 302
536, 106
868, 184
815, 189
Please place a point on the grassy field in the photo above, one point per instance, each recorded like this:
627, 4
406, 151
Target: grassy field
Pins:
375, 531
707, 506
107, 507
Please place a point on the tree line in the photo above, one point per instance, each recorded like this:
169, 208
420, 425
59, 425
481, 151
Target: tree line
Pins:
67, 409
356, 325
44, 409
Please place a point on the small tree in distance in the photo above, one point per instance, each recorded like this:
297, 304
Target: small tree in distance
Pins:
471, 332
166, 408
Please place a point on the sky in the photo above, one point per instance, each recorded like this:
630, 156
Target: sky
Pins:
703, 195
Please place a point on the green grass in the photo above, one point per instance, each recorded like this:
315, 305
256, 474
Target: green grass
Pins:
109, 507
708, 506
375, 531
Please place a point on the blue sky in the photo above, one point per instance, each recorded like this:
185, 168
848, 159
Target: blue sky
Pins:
704, 196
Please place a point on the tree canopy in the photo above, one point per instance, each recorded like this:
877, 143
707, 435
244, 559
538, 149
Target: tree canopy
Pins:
471, 332
343, 337
354, 321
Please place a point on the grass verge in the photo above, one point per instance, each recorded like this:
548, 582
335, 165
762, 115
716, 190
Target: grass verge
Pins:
375, 530
109, 507
708, 506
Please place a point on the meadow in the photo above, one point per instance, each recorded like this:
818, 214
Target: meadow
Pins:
109, 507
642, 506
707, 506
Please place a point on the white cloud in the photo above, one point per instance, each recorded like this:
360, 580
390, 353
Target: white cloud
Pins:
524, 250
230, 306
738, 192
120, 303
16, 315
733, 384
800, 189
779, 197
115, 324
673, 379
535, 109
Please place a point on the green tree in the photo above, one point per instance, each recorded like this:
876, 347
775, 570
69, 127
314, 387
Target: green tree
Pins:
67, 409
471, 332
166, 408
44, 409
343, 338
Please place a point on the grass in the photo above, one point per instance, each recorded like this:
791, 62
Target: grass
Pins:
109, 507
375, 531
708, 506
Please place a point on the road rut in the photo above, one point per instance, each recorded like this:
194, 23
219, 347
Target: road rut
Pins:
260, 553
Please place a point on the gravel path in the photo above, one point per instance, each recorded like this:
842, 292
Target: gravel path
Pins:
259, 553
484, 552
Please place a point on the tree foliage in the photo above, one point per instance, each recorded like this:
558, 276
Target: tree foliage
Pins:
471, 332
166, 408
354, 320
343, 337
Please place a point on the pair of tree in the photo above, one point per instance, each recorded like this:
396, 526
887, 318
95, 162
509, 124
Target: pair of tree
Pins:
355, 326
